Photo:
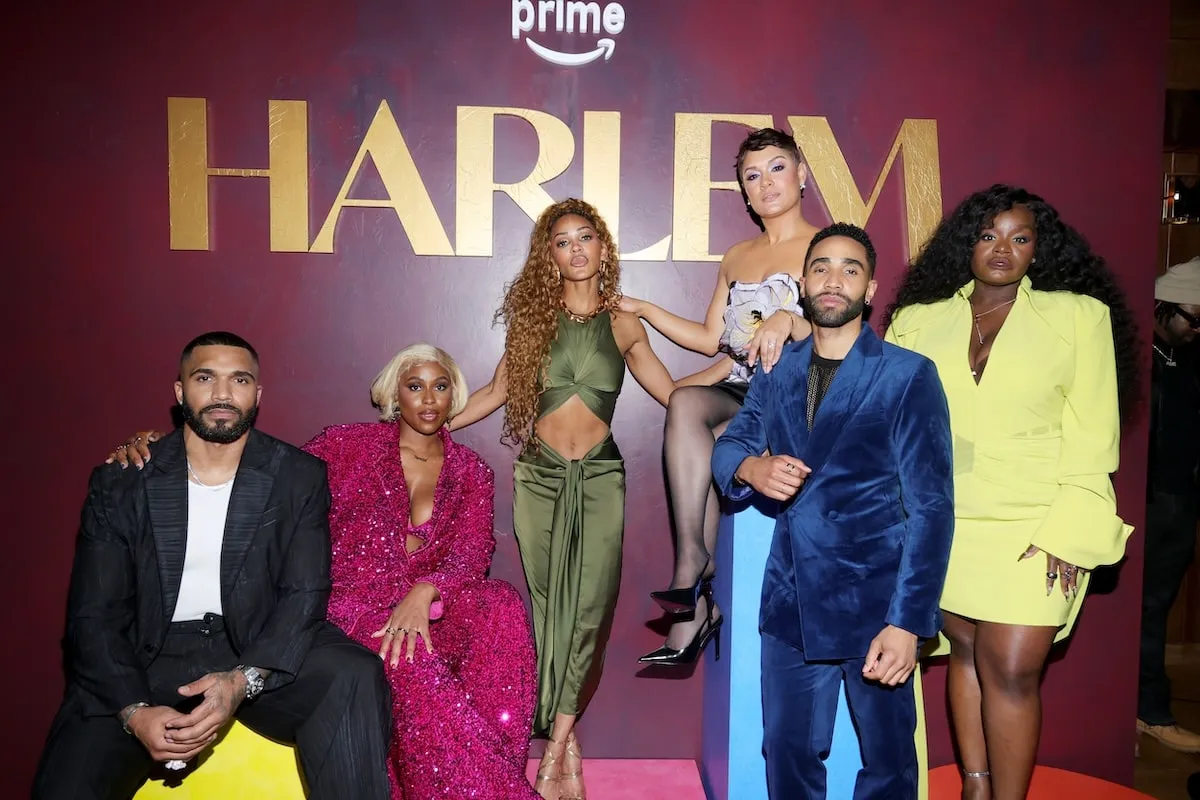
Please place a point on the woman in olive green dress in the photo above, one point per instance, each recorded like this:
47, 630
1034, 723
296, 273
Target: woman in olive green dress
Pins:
565, 354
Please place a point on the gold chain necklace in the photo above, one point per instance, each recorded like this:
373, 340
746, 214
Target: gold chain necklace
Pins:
413, 453
581, 318
978, 330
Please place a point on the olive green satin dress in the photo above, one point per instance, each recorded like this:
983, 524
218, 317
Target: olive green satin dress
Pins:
569, 520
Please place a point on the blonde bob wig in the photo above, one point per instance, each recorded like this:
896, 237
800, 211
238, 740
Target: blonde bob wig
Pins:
387, 383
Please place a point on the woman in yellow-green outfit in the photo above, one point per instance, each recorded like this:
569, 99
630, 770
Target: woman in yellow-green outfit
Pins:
564, 361
1036, 350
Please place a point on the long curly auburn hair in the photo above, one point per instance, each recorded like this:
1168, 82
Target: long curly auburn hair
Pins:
1065, 262
530, 315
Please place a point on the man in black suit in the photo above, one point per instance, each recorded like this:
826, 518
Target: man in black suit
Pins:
198, 594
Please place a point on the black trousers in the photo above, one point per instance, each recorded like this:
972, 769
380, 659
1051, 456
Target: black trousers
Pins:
337, 712
1170, 547
800, 701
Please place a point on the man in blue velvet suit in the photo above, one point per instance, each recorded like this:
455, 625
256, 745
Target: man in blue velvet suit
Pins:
858, 433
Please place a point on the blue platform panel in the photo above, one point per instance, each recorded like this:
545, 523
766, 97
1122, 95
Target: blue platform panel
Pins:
732, 765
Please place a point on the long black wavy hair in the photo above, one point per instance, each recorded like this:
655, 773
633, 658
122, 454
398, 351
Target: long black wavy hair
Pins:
1065, 262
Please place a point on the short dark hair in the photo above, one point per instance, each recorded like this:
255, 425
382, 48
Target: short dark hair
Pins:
850, 232
761, 139
217, 339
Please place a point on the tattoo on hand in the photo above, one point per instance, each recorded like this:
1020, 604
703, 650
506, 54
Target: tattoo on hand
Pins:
231, 697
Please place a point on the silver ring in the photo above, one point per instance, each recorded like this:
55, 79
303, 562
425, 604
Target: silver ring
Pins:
122, 446
1052, 575
788, 467
390, 631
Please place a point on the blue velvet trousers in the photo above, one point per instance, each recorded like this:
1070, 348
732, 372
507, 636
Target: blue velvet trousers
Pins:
799, 706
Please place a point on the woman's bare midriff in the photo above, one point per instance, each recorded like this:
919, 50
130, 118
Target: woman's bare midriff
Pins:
571, 430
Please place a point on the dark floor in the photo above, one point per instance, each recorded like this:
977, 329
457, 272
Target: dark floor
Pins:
1160, 772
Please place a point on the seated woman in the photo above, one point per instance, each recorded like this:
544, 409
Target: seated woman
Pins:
411, 524
411, 527
755, 308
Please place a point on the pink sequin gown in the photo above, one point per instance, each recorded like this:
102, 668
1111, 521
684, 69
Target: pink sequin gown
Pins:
463, 715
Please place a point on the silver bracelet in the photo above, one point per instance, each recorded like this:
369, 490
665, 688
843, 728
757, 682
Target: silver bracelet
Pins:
127, 714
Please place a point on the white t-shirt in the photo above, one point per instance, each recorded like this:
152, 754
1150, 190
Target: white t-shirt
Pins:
200, 586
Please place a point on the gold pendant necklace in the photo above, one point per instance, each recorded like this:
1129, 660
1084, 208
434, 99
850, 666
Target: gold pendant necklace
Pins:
978, 330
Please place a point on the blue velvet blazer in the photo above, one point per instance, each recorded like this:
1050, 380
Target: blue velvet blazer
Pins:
866, 541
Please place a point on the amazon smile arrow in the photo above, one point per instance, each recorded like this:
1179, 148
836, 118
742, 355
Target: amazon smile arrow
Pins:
603, 46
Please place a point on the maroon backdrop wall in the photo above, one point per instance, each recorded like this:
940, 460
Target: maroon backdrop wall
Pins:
1063, 99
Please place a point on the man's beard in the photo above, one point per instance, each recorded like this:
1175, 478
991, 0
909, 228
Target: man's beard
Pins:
832, 317
222, 431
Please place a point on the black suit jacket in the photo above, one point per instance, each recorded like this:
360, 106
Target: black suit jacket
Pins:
129, 560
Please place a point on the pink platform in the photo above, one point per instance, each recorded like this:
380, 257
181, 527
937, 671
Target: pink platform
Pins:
639, 778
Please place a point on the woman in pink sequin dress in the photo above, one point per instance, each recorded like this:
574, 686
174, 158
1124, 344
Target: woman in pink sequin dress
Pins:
411, 526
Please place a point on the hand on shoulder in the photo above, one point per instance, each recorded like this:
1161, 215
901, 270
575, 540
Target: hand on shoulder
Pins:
627, 328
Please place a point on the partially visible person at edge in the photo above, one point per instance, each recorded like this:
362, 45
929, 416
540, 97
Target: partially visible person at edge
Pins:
1170, 491
1035, 401
755, 306
411, 526
198, 595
